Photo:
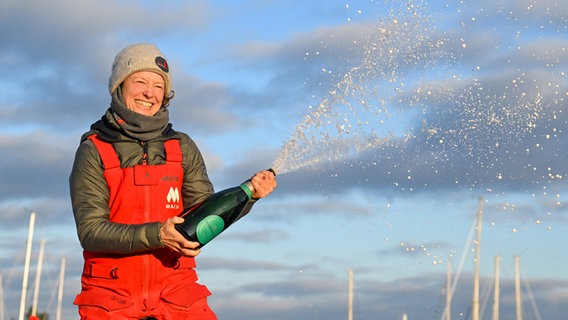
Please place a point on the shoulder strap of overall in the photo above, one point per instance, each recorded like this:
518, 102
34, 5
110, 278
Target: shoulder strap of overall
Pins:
106, 151
172, 148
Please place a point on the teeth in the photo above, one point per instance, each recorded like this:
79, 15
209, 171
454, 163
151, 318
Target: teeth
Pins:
143, 103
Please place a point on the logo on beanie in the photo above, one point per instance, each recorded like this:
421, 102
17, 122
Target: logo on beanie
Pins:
162, 64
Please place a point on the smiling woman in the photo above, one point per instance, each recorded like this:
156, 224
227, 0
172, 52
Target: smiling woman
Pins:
125, 189
143, 92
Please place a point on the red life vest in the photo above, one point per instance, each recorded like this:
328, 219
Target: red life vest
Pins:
142, 284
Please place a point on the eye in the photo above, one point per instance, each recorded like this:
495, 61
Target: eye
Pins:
138, 81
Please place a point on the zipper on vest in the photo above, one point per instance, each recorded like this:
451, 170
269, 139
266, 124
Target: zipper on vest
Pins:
147, 195
146, 261
144, 160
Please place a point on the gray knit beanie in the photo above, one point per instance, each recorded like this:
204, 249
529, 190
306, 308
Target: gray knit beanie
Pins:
139, 57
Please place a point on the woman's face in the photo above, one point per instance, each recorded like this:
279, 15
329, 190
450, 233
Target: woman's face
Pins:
143, 92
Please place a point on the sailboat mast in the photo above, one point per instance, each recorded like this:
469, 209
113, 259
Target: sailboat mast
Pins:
518, 299
60, 293
27, 266
1, 298
497, 288
449, 291
38, 278
350, 297
475, 302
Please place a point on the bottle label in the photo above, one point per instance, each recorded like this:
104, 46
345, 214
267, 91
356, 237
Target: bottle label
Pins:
209, 228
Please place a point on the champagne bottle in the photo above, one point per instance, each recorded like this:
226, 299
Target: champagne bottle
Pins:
208, 219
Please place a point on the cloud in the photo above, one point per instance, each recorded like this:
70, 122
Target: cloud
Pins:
62, 61
200, 108
259, 236
498, 124
215, 263
38, 165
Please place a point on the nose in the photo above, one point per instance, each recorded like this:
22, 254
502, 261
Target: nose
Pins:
149, 91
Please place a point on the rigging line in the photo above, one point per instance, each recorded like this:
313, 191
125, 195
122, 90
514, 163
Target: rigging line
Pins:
531, 297
485, 295
460, 266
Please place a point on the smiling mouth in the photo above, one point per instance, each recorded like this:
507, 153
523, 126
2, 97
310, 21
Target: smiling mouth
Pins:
143, 103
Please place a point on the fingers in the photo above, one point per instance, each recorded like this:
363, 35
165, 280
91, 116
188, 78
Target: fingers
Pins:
175, 220
264, 183
190, 251
175, 241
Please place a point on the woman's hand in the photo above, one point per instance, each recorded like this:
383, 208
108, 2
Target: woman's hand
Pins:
263, 183
175, 241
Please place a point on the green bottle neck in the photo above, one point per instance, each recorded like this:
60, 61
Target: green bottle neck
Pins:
248, 188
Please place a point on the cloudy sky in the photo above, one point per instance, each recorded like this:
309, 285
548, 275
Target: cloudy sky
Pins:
391, 124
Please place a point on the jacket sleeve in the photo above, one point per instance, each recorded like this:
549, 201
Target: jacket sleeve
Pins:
90, 197
196, 184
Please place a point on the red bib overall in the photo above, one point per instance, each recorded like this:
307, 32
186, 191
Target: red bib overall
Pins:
158, 283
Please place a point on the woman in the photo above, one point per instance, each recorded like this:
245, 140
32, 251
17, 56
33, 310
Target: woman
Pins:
125, 185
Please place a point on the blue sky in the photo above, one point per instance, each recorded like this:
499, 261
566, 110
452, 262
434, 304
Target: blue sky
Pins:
398, 118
